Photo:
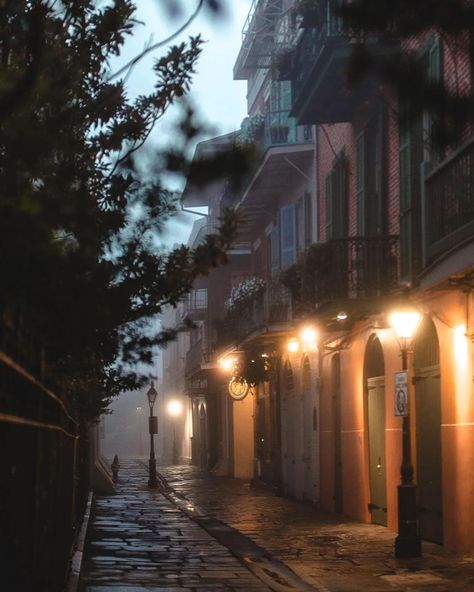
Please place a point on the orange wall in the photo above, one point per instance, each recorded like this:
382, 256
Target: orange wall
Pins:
243, 437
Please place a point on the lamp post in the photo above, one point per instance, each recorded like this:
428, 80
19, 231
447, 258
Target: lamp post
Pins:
407, 543
153, 429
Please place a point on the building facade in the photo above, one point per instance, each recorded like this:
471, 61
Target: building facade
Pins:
346, 217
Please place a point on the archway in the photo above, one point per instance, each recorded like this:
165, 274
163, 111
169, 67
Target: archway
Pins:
428, 431
336, 402
289, 428
374, 372
203, 456
309, 423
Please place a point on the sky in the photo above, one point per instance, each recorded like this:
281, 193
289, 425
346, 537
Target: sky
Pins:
219, 99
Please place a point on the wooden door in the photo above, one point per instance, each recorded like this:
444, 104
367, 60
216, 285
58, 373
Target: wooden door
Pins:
377, 467
428, 453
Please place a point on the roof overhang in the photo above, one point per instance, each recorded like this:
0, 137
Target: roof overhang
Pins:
281, 170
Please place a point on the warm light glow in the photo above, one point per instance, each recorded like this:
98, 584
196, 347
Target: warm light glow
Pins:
293, 346
309, 338
461, 353
405, 323
227, 364
175, 408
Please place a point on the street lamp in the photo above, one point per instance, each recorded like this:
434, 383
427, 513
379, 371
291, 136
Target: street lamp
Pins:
174, 409
407, 543
153, 428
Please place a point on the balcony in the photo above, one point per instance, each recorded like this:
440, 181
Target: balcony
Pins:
270, 311
448, 212
194, 306
321, 93
258, 37
343, 270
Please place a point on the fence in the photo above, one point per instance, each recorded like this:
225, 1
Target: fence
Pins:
44, 466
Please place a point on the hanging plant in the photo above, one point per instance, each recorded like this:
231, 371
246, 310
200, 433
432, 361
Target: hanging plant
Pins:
245, 292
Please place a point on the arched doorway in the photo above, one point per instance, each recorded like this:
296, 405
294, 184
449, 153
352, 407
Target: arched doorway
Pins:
336, 403
203, 456
289, 439
308, 409
375, 399
428, 431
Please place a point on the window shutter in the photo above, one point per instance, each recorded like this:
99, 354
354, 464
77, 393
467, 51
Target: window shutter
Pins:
404, 157
435, 62
275, 249
361, 184
307, 218
329, 212
288, 235
379, 182
434, 75
339, 199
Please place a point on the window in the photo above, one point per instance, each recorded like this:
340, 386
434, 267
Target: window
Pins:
336, 199
413, 150
288, 235
371, 207
283, 239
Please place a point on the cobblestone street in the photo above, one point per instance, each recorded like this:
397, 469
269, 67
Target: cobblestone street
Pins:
206, 533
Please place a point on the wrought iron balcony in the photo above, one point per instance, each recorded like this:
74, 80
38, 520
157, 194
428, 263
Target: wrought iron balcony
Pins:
320, 90
194, 305
194, 358
448, 204
344, 269
271, 307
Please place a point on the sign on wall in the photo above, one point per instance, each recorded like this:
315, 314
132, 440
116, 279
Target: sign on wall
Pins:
401, 393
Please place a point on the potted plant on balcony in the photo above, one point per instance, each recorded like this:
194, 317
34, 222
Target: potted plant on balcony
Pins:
246, 292
283, 63
251, 129
309, 13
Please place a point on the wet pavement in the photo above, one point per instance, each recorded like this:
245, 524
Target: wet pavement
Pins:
205, 533
138, 541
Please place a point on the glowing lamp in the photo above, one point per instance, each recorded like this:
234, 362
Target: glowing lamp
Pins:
174, 408
227, 364
405, 323
309, 337
293, 346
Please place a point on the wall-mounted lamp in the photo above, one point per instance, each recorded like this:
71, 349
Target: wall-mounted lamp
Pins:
293, 345
309, 338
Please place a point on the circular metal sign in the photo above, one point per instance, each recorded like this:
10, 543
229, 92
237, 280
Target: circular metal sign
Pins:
238, 388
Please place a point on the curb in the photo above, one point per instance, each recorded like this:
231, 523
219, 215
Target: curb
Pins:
76, 560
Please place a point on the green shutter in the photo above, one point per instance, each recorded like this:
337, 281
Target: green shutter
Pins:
379, 163
329, 204
405, 188
288, 235
435, 62
361, 171
275, 249
434, 75
339, 198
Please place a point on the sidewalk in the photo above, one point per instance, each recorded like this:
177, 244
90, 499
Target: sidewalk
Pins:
330, 553
203, 533
140, 541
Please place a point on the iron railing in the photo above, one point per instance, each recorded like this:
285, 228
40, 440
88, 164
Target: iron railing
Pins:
346, 268
328, 29
45, 480
194, 358
269, 307
449, 203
